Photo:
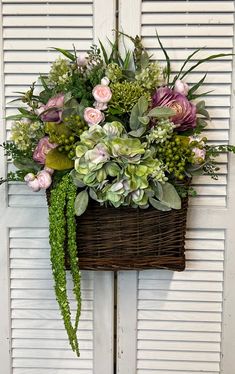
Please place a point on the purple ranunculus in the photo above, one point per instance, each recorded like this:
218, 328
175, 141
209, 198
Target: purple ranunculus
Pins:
52, 111
185, 111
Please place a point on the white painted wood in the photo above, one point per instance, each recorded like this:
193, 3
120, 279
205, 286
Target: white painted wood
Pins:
30, 313
126, 322
228, 336
103, 322
182, 316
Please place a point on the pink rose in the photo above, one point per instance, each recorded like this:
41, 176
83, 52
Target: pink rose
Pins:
34, 185
102, 93
43, 147
44, 179
93, 116
181, 87
50, 114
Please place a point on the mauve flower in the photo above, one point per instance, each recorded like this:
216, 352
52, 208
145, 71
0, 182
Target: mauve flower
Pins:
93, 116
44, 179
185, 111
34, 185
52, 115
102, 93
181, 87
43, 147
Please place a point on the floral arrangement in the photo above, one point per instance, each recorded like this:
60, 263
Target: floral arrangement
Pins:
123, 131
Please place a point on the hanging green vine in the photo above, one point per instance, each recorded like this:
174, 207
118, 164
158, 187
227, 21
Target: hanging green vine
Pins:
72, 248
61, 201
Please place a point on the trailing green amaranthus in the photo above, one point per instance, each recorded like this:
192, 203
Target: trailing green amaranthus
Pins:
62, 199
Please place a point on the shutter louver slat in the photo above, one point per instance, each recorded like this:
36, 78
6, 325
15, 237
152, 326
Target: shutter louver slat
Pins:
179, 314
34, 309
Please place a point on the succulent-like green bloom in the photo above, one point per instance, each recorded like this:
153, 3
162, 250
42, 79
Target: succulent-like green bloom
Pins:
129, 149
117, 167
113, 129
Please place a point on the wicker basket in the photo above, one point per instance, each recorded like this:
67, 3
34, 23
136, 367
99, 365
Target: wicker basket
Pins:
130, 239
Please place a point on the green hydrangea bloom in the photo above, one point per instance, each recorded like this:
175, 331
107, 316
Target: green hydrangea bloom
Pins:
26, 134
114, 72
60, 72
125, 95
151, 76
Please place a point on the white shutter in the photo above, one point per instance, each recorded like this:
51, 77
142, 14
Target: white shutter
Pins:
32, 336
183, 323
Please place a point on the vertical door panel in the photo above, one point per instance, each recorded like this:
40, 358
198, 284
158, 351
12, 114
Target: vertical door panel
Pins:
32, 336
182, 323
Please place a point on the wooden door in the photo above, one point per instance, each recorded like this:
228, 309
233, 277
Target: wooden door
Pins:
32, 336
183, 323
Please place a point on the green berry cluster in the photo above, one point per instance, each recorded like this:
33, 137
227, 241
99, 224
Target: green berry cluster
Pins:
75, 123
175, 154
66, 144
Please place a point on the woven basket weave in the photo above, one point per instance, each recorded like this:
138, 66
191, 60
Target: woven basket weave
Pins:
128, 239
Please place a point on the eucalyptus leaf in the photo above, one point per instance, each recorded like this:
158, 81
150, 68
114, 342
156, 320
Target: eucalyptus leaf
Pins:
134, 122
138, 133
158, 205
158, 191
137, 111
144, 120
76, 181
170, 196
161, 112
142, 105
81, 203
